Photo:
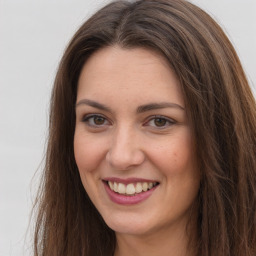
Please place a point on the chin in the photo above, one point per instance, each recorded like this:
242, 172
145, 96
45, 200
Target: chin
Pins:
130, 225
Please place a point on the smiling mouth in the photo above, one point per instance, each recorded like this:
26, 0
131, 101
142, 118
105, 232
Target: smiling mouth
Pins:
131, 189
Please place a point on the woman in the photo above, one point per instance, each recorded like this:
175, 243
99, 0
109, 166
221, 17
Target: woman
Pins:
152, 139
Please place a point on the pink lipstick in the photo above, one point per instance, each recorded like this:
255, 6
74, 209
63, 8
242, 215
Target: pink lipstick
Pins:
129, 191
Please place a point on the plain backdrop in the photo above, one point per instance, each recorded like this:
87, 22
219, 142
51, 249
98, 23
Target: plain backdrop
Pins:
33, 35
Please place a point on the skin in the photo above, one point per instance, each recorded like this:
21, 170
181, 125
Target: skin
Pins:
124, 142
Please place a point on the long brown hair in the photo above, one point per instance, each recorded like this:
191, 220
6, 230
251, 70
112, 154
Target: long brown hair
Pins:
220, 106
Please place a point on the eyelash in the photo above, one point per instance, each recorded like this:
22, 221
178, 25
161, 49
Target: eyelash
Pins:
167, 121
86, 119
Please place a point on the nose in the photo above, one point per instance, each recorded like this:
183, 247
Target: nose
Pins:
125, 150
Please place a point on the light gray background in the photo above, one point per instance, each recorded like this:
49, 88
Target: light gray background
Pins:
33, 35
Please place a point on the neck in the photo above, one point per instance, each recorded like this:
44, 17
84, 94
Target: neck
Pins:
175, 241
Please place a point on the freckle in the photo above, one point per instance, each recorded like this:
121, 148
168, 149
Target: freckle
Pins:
175, 156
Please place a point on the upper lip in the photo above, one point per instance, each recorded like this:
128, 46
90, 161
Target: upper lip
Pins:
128, 180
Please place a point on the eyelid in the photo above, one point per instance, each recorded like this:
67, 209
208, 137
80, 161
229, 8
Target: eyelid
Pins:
169, 120
87, 117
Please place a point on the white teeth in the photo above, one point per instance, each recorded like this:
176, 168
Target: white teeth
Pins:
144, 186
131, 189
111, 185
115, 187
138, 188
121, 188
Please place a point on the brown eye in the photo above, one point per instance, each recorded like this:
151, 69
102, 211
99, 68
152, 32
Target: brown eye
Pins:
159, 122
98, 120
95, 121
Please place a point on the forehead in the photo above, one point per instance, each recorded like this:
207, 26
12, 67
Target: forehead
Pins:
129, 74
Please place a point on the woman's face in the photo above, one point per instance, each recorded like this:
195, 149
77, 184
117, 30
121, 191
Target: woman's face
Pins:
133, 142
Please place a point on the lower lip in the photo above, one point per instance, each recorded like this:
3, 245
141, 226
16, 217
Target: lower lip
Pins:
128, 200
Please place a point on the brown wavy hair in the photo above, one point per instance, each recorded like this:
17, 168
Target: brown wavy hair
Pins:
220, 106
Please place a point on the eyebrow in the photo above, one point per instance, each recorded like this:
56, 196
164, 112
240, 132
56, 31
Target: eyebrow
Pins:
140, 109
93, 104
153, 106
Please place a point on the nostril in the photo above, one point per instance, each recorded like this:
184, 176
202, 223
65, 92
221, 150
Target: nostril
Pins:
124, 159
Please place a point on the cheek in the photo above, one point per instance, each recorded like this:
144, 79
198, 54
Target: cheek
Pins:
175, 156
88, 156
88, 153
